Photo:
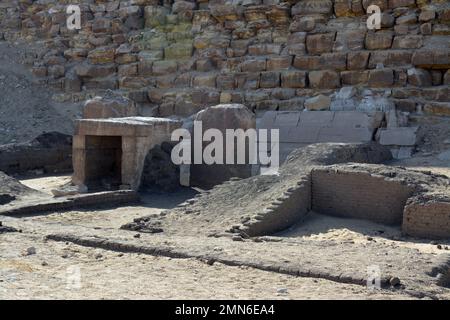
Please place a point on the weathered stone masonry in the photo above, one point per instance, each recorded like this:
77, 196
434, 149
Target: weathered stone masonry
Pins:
177, 57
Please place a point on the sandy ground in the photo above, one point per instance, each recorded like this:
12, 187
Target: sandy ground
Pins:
60, 271
67, 271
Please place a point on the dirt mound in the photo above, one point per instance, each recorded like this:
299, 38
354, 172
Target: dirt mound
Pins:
49, 152
11, 189
229, 206
26, 107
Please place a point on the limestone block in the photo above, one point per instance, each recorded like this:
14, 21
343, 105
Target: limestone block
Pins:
353, 78
381, 77
222, 117
279, 63
164, 67
419, 77
293, 79
94, 71
401, 3
320, 43
308, 7
357, 60
269, 80
379, 40
324, 79
102, 55
109, 106
320, 102
253, 65
408, 42
401, 136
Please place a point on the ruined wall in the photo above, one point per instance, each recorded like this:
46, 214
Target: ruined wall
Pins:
359, 195
177, 57
49, 152
429, 219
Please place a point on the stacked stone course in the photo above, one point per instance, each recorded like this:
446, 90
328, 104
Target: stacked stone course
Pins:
178, 57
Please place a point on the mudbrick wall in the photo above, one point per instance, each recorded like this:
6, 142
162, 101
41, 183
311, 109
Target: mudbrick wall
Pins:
358, 195
177, 57
431, 217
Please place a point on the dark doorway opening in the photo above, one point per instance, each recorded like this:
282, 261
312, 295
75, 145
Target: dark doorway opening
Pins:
103, 162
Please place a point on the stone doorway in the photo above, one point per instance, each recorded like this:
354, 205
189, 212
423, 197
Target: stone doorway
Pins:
103, 166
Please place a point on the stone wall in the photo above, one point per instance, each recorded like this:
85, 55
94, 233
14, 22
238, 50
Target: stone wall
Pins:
50, 152
427, 219
177, 57
358, 195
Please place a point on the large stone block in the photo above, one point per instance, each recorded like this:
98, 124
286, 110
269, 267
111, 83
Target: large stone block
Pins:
408, 42
180, 50
320, 43
381, 78
102, 55
357, 60
419, 77
164, 67
269, 80
293, 79
435, 59
379, 40
318, 103
327, 79
308, 7
401, 136
109, 106
222, 117
279, 63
